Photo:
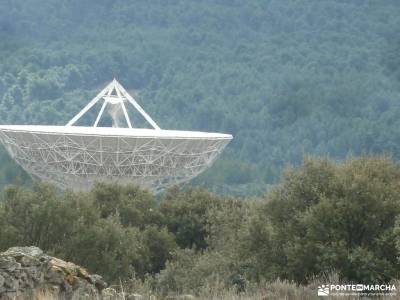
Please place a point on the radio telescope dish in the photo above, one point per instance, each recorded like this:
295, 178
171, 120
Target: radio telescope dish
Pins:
75, 157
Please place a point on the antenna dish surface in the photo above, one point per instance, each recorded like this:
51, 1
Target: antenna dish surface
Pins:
78, 156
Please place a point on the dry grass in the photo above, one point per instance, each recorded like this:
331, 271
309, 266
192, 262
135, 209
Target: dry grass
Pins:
276, 290
41, 294
45, 295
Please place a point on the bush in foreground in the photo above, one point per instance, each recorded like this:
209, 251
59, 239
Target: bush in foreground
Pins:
328, 216
323, 217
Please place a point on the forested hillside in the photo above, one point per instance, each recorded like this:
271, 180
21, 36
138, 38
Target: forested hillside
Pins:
286, 78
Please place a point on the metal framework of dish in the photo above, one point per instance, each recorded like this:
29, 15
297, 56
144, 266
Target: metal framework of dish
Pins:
77, 156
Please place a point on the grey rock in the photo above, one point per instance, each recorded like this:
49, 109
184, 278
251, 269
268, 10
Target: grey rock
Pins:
11, 284
24, 270
98, 281
23, 251
27, 261
35, 274
82, 289
67, 290
55, 275
9, 263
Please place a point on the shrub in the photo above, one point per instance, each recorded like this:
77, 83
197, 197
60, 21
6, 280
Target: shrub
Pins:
326, 216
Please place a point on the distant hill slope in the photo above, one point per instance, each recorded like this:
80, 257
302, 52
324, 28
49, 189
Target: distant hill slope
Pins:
285, 78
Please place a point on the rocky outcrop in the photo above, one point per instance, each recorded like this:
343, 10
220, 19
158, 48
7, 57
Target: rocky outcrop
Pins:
26, 270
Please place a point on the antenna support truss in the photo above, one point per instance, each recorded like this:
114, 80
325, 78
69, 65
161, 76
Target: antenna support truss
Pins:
114, 93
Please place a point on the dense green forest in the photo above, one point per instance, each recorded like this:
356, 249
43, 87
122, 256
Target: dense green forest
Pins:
321, 219
286, 78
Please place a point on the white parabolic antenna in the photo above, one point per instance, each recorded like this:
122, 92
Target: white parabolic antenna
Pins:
77, 156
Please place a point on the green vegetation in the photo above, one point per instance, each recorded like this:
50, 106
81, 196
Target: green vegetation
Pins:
285, 78
323, 218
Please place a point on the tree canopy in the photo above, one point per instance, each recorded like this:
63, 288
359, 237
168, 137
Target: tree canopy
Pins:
321, 218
